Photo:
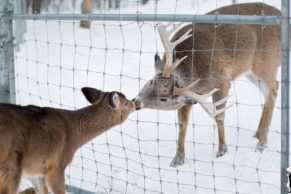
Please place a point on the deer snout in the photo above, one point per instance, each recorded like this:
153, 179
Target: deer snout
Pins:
132, 105
138, 105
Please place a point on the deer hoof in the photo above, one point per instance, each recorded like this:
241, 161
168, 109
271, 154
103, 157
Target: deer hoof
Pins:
28, 191
260, 147
178, 160
221, 150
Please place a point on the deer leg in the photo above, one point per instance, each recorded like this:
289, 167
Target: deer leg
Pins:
263, 128
10, 174
219, 119
56, 181
183, 116
268, 86
39, 185
3, 180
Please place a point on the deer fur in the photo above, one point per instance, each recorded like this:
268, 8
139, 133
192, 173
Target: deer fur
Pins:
38, 141
218, 54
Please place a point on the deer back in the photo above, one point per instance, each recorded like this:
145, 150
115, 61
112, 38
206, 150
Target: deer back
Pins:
221, 52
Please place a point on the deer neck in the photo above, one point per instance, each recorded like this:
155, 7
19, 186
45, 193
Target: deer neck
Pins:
92, 121
185, 78
181, 80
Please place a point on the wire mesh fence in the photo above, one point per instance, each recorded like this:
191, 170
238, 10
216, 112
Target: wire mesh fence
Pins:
55, 58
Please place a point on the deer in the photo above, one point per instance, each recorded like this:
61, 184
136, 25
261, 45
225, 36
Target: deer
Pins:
212, 57
42, 141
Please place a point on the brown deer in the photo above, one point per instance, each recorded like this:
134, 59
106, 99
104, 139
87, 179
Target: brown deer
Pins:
38, 141
215, 55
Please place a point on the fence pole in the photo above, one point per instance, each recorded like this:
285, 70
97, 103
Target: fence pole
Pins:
7, 77
18, 27
285, 37
225, 19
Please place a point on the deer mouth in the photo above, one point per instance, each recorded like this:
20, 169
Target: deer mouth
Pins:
137, 103
190, 102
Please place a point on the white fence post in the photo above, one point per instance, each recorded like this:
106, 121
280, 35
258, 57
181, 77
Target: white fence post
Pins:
285, 89
7, 77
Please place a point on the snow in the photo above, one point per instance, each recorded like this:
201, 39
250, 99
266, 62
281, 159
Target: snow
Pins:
58, 58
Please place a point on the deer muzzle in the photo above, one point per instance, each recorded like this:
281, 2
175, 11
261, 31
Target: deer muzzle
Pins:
138, 105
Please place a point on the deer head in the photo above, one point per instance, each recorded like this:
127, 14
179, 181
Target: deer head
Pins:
166, 91
109, 103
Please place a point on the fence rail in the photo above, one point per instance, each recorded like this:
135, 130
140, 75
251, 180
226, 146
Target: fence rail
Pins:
228, 19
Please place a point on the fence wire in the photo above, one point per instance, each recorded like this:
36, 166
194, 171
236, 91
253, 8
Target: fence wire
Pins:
57, 58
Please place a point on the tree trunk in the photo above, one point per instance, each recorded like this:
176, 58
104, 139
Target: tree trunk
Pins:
86, 9
144, 1
117, 4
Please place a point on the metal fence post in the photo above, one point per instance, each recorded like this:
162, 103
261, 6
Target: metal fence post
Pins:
19, 26
7, 77
285, 42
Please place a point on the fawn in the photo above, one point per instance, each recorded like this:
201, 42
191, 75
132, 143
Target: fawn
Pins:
41, 141
215, 55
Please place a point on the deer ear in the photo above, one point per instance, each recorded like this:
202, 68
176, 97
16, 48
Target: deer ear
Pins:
159, 65
114, 100
91, 94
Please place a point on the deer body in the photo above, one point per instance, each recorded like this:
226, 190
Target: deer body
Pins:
216, 55
227, 51
39, 141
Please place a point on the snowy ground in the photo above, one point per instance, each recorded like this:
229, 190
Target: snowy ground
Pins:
58, 58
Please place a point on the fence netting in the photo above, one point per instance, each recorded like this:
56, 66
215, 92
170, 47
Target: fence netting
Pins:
57, 58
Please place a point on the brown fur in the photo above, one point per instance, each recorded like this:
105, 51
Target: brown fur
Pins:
217, 54
42, 141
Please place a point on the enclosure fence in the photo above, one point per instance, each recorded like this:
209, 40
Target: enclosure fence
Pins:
48, 59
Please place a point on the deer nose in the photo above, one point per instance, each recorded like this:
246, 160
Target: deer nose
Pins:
137, 103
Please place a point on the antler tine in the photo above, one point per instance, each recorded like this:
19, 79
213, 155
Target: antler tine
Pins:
210, 108
168, 71
172, 29
175, 27
192, 84
180, 91
183, 37
223, 109
169, 48
164, 34
224, 100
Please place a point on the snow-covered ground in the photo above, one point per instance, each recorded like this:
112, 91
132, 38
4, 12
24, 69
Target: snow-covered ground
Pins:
58, 58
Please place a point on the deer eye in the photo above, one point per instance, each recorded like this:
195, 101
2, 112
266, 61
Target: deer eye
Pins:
151, 82
163, 99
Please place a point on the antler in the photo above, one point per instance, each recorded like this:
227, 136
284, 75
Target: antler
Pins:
169, 48
210, 108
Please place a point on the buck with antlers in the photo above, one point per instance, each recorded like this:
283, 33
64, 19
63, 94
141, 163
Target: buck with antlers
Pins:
41, 142
211, 57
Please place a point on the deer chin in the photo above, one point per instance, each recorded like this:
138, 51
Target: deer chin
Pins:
166, 106
137, 103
